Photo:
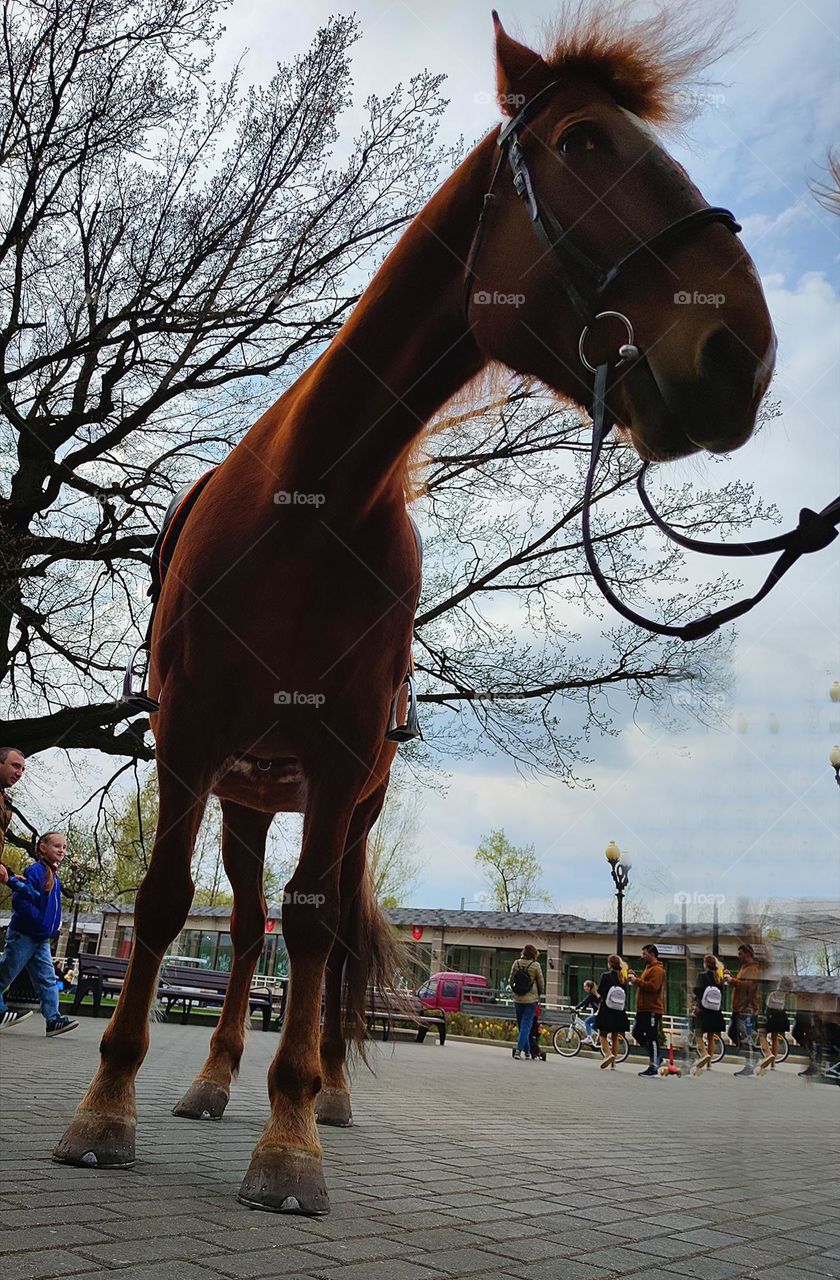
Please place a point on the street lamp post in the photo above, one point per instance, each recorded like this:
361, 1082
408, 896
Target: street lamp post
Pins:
834, 758
620, 872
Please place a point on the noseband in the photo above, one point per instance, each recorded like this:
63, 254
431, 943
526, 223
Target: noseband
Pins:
583, 282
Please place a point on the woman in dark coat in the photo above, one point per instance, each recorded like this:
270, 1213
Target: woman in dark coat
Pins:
611, 1018
708, 1012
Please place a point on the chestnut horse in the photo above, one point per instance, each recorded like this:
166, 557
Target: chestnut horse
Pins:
285, 623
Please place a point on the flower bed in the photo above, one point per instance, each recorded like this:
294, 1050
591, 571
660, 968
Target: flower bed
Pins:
461, 1024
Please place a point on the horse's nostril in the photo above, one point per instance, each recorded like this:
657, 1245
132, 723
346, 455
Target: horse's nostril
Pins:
723, 354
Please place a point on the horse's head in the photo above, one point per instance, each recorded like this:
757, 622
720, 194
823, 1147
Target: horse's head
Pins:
606, 185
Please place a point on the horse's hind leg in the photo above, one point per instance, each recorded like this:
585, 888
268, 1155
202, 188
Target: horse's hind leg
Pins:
243, 852
102, 1132
333, 1103
285, 1173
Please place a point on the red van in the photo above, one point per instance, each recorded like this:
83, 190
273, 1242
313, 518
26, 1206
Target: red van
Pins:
444, 990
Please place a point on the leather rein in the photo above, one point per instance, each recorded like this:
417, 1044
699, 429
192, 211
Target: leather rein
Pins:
583, 282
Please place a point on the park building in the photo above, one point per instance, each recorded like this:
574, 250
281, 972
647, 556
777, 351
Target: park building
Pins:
572, 948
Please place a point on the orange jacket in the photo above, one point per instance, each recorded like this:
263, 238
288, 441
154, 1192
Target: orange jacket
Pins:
650, 989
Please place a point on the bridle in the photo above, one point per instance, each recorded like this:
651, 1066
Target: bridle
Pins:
584, 282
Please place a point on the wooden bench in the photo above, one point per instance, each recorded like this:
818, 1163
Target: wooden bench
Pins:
182, 985
410, 1012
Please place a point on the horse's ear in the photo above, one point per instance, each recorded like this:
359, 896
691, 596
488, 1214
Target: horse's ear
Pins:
520, 73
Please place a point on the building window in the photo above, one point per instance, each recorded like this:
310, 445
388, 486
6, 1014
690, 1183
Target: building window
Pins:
224, 953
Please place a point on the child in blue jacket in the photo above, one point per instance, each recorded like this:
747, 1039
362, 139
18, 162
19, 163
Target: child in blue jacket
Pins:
36, 916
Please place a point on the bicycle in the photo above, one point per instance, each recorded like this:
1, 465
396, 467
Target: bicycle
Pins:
568, 1041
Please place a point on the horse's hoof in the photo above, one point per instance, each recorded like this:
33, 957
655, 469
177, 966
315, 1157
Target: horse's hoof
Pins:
285, 1182
332, 1106
203, 1100
96, 1140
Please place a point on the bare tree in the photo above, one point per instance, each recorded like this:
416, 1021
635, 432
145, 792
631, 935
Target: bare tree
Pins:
172, 253
505, 577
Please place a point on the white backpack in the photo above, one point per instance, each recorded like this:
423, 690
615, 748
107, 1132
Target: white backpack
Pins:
776, 1000
616, 998
711, 999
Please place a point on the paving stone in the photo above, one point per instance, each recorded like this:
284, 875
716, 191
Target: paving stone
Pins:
422, 1188
263, 1262
391, 1269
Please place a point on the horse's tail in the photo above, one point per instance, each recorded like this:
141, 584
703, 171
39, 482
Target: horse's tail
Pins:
374, 958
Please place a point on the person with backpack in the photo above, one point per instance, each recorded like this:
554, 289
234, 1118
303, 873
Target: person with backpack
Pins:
708, 1012
650, 1006
527, 984
777, 1024
611, 1018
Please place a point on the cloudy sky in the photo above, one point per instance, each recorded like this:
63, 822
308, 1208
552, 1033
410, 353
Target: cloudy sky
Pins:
749, 811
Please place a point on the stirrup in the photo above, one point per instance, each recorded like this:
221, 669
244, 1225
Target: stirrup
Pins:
139, 700
411, 728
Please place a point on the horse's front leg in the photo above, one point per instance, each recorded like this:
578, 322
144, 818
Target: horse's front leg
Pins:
244, 833
285, 1174
102, 1132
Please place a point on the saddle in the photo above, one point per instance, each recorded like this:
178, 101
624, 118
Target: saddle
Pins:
135, 677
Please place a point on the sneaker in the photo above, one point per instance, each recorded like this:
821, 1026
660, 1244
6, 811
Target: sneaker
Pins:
705, 1061
745, 1071
650, 1071
11, 1018
769, 1061
811, 1070
607, 1061
517, 1053
59, 1025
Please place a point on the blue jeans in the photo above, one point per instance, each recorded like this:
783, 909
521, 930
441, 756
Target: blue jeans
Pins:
589, 1023
23, 952
525, 1020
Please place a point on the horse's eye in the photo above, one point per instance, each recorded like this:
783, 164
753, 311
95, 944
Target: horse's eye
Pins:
577, 141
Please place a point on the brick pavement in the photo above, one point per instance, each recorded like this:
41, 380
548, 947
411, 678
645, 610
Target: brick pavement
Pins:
461, 1163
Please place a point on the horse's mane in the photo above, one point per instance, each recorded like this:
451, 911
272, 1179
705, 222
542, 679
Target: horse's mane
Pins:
827, 192
651, 65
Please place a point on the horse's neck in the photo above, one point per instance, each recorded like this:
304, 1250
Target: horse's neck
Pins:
405, 350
